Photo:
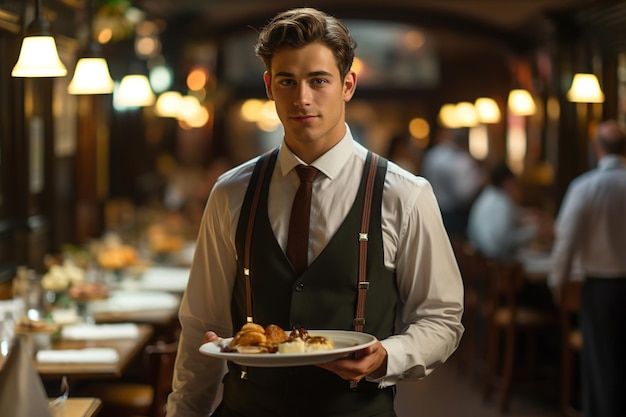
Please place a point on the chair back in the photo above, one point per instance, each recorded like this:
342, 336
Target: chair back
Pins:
161, 358
504, 281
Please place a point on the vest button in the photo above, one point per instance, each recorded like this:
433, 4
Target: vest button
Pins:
299, 287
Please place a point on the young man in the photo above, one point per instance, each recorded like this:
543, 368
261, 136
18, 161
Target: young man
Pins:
414, 300
590, 228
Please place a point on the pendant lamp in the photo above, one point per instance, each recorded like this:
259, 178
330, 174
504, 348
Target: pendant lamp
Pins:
585, 89
91, 75
487, 110
135, 91
38, 56
521, 102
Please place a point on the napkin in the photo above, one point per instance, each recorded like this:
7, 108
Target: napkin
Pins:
135, 301
88, 355
21, 391
165, 279
100, 331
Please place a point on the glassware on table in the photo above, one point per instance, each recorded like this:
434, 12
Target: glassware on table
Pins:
7, 333
57, 406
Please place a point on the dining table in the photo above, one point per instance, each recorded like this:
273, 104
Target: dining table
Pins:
124, 350
78, 407
537, 265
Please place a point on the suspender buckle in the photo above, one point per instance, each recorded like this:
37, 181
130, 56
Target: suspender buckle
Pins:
246, 272
365, 285
363, 237
359, 321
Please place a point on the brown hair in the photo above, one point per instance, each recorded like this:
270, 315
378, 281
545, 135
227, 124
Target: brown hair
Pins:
299, 27
611, 137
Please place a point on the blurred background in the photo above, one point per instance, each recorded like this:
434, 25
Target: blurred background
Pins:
74, 163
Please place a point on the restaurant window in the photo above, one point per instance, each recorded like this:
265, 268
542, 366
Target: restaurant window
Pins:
389, 55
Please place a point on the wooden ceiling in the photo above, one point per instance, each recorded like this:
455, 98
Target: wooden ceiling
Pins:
518, 23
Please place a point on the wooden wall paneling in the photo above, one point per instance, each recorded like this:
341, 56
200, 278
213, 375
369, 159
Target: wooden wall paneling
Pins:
63, 196
88, 165
10, 102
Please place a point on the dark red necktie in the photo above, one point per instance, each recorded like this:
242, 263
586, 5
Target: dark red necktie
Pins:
298, 238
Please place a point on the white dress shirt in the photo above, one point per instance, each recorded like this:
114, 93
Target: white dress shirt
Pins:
590, 226
495, 227
416, 246
455, 176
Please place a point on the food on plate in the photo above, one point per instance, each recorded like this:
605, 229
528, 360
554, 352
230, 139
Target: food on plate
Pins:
88, 291
253, 338
275, 334
314, 343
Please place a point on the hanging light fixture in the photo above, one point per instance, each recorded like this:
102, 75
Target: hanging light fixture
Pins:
39, 56
168, 104
487, 110
134, 91
466, 113
91, 75
521, 102
585, 89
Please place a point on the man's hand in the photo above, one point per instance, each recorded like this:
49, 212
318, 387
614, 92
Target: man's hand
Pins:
209, 337
371, 361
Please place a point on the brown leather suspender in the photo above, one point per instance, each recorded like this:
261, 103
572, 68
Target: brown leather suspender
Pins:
363, 284
246, 261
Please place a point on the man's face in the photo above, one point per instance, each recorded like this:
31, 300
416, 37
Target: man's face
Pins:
310, 98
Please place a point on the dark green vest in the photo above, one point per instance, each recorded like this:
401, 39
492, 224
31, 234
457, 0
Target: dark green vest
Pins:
323, 297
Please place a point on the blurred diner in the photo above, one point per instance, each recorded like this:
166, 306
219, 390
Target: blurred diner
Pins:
590, 228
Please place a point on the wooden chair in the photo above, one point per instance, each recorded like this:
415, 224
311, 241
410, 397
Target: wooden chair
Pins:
507, 319
571, 344
472, 266
125, 399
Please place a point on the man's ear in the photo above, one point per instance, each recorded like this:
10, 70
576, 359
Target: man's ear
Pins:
268, 87
349, 86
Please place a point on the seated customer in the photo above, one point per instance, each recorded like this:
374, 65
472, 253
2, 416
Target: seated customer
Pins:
497, 226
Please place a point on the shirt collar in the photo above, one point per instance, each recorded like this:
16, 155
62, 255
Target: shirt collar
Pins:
610, 162
329, 163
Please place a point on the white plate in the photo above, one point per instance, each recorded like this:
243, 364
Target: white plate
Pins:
345, 342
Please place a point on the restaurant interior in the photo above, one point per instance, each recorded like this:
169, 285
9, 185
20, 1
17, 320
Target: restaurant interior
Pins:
113, 132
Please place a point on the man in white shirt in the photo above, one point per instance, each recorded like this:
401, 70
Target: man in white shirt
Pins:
415, 295
456, 178
496, 225
591, 229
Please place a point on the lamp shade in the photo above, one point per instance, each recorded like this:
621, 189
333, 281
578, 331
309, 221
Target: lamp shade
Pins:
466, 114
39, 58
135, 91
448, 116
521, 102
168, 104
487, 110
91, 77
585, 89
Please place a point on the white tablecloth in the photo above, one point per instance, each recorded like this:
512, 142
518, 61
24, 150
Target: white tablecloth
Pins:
88, 355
